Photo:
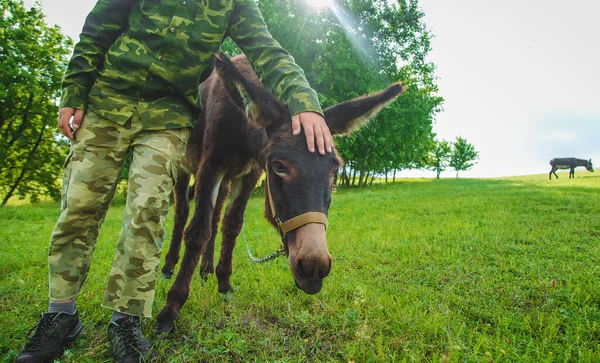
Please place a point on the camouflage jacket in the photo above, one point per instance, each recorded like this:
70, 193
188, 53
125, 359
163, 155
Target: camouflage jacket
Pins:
146, 57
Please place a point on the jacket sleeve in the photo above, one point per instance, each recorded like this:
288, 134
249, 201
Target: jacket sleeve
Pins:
274, 66
102, 26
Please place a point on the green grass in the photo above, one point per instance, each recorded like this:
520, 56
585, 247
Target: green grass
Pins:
473, 270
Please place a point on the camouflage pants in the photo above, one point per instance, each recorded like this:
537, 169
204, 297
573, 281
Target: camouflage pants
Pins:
90, 178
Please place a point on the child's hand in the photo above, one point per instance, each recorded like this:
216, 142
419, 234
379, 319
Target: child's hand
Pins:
315, 128
65, 124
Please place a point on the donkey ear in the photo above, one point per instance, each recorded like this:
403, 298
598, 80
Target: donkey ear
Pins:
261, 107
348, 116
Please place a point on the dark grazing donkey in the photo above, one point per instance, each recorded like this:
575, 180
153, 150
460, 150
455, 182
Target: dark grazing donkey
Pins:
243, 131
569, 163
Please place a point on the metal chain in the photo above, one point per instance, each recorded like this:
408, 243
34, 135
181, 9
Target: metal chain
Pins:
270, 257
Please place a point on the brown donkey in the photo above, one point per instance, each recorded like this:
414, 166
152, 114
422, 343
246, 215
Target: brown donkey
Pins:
243, 131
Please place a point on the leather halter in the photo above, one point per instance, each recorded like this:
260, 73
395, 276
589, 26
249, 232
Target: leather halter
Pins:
294, 222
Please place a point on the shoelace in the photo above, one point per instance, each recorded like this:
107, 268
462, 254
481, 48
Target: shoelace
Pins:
43, 329
128, 339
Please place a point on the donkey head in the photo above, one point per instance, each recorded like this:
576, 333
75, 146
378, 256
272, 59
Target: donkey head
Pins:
589, 166
298, 182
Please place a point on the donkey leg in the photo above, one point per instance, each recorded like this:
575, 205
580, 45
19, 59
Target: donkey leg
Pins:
196, 235
232, 225
553, 171
207, 263
182, 210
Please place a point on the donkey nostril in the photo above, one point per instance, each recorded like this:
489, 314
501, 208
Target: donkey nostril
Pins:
305, 269
301, 271
309, 270
324, 273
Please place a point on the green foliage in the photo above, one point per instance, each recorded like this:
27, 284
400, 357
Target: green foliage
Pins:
32, 61
359, 48
439, 156
463, 155
431, 274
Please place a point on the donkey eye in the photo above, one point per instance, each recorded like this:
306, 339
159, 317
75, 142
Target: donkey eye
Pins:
279, 168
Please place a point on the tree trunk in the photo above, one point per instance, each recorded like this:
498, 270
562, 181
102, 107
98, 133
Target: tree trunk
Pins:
346, 180
361, 176
24, 170
438, 173
346, 175
394, 178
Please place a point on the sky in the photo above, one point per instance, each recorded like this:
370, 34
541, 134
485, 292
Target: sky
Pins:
520, 78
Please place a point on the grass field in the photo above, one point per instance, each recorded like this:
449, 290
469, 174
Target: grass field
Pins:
473, 270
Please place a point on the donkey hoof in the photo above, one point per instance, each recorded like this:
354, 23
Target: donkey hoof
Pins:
163, 328
225, 289
165, 321
167, 274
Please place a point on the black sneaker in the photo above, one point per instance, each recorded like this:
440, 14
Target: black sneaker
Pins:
127, 342
52, 332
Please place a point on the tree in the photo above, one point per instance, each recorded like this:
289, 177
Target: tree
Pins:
439, 156
463, 155
360, 47
33, 58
